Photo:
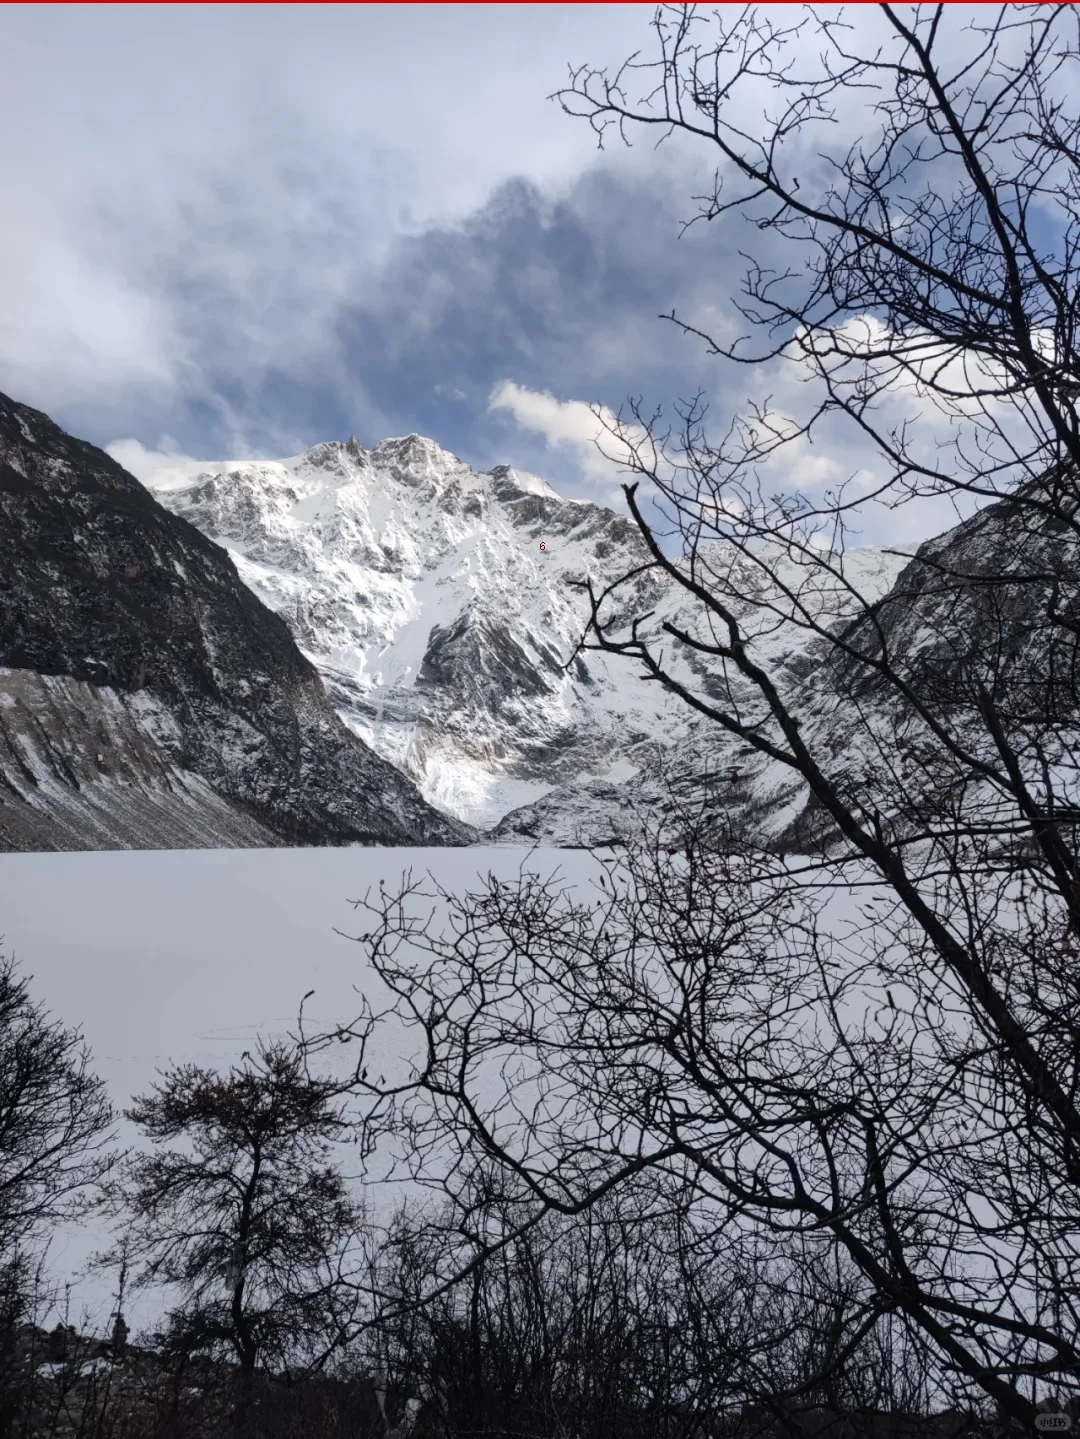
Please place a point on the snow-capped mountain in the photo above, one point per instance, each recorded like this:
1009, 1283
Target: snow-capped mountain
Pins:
379, 645
439, 606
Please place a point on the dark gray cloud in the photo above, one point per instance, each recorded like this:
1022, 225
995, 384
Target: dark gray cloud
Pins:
556, 292
559, 295
192, 196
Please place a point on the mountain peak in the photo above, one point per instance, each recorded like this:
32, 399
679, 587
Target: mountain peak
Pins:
506, 477
415, 451
400, 564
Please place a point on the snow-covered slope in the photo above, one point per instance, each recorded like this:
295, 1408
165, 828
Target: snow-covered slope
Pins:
439, 606
78, 770
693, 762
436, 603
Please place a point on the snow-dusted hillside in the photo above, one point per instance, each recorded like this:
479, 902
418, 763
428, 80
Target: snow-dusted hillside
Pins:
437, 603
693, 761
134, 657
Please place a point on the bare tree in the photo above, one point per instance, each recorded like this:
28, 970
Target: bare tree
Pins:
247, 1216
857, 1024
694, 1022
55, 1120
629, 1318
55, 1132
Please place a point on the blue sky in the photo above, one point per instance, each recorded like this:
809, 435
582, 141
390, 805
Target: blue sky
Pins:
251, 228
240, 230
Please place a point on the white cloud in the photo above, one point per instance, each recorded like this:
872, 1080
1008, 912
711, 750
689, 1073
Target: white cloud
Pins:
224, 181
161, 469
940, 382
72, 326
724, 509
572, 424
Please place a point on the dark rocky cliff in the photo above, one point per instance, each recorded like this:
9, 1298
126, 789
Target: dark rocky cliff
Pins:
99, 583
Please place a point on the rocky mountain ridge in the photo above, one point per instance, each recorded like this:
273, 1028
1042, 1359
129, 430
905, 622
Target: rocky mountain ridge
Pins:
140, 676
435, 602
439, 605
381, 646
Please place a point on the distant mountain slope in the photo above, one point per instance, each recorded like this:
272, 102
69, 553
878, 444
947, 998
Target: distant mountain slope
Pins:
990, 608
435, 602
103, 586
693, 760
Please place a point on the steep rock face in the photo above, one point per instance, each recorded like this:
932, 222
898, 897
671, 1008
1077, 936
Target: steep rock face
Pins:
982, 625
102, 585
436, 603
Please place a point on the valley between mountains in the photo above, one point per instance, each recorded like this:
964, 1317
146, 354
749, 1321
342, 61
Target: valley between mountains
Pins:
352, 645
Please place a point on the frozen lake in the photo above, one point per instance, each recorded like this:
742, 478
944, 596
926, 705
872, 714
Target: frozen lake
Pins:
168, 956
